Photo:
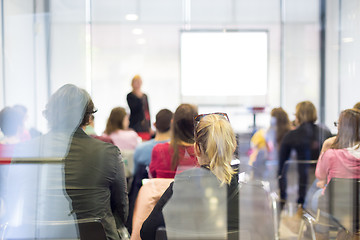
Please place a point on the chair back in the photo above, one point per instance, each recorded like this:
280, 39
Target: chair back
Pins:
197, 208
296, 178
161, 234
34, 205
344, 202
91, 229
33, 200
255, 210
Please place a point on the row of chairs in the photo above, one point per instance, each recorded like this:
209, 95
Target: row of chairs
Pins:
337, 209
341, 211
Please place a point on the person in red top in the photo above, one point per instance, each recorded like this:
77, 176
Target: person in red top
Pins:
169, 158
342, 160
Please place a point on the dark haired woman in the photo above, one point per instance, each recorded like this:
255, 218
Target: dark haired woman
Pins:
202, 201
167, 158
342, 160
266, 144
117, 129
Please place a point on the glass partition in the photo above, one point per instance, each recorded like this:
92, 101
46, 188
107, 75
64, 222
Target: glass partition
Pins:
101, 45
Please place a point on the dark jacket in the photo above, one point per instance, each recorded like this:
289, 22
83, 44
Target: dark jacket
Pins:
306, 141
95, 182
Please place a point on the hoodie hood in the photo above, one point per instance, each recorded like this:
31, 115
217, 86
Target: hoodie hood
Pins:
350, 158
355, 151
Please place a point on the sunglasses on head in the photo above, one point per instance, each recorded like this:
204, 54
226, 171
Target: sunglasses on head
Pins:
199, 117
93, 111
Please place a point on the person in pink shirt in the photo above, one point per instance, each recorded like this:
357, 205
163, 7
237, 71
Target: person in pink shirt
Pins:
178, 154
117, 129
342, 159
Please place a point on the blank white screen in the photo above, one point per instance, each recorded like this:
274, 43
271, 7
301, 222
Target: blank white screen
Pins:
224, 64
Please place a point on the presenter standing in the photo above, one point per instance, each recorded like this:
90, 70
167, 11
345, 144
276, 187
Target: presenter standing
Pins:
139, 109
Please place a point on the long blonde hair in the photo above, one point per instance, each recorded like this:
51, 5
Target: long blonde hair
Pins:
216, 140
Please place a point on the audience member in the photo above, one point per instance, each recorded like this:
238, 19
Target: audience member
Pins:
94, 171
84, 180
342, 159
117, 129
167, 158
329, 142
306, 140
139, 109
192, 197
143, 151
142, 158
11, 126
266, 144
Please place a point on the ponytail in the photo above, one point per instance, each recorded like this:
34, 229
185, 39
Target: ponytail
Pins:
216, 140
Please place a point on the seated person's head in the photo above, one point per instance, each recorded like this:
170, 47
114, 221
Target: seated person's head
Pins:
118, 119
10, 121
348, 129
183, 124
182, 130
163, 120
305, 112
215, 144
69, 107
280, 119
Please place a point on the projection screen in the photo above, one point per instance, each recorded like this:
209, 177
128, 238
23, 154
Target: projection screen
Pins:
224, 67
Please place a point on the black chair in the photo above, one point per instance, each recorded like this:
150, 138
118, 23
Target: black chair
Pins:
160, 234
338, 208
91, 229
88, 229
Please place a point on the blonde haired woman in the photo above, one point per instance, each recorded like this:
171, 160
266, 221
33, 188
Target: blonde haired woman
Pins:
139, 109
191, 197
215, 145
